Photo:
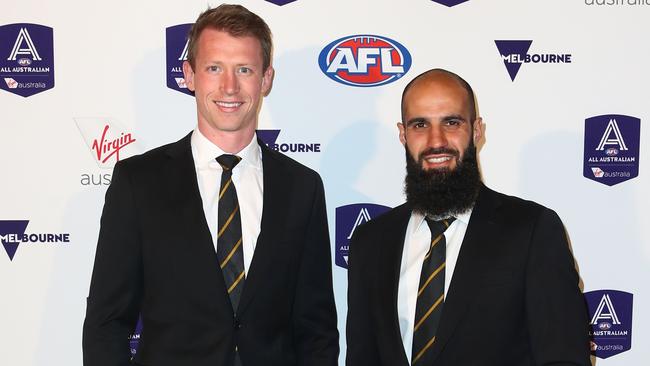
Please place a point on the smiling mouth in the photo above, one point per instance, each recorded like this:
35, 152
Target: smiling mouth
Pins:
228, 105
437, 159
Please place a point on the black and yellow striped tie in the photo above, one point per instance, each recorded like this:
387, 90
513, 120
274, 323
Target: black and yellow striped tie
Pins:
229, 235
431, 294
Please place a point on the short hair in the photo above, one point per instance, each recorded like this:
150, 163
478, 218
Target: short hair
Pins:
235, 20
464, 84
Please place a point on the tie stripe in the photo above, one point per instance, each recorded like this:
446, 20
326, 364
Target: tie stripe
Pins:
424, 349
442, 266
239, 278
232, 252
225, 187
225, 225
426, 315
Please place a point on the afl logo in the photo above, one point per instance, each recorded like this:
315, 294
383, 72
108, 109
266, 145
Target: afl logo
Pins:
364, 60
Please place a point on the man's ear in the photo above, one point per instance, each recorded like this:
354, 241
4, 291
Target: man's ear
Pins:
188, 74
267, 80
402, 132
477, 130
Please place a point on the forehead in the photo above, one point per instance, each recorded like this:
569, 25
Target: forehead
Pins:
213, 42
439, 93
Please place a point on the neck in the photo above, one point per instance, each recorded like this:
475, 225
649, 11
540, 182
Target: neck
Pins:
231, 142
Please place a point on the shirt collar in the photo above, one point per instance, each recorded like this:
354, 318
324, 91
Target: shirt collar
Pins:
463, 217
205, 152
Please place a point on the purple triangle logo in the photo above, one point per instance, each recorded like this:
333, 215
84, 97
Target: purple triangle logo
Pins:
11, 232
513, 54
450, 3
280, 2
268, 137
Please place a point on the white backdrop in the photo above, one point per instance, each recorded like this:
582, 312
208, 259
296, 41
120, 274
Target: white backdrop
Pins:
110, 68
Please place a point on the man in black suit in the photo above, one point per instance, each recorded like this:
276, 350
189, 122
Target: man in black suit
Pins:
460, 275
220, 244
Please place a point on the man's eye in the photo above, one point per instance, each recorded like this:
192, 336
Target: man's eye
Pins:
453, 122
214, 68
419, 125
244, 70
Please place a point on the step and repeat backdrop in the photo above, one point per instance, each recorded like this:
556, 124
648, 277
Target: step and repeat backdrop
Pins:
562, 86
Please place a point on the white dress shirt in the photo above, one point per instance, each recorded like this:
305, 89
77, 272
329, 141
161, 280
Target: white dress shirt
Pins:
416, 245
248, 179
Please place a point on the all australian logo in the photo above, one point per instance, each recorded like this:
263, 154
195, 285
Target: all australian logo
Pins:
348, 218
26, 58
270, 139
13, 233
610, 313
611, 148
515, 53
108, 142
177, 42
364, 60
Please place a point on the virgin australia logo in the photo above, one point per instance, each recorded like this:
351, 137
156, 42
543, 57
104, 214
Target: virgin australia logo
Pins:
108, 141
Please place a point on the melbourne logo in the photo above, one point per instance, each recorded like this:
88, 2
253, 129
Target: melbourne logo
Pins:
450, 3
270, 138
177, 43
108, 143
12, 234
515, 53
610, 312
26, 58
611, 151
364, 60
347, 219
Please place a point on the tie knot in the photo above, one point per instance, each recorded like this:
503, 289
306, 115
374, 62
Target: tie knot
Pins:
438, 227
228, 161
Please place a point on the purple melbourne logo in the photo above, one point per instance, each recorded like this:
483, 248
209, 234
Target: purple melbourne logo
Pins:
280, 2
347, 219
26, 58
12, 234
270, 138
515, 53
177, 42
364, 60
611, 322
449, 3
611, 153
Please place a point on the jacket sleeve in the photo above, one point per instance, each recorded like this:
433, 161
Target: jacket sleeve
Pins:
555, 307
316, 337
116, 284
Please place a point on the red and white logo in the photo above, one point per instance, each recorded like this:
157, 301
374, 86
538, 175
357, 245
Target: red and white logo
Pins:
364, 60
108, 141
11, 83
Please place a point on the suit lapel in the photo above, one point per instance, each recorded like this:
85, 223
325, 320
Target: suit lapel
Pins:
389, 256
481, 229
185, 199
273, 216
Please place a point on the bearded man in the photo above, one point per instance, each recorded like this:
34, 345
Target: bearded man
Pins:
460, 274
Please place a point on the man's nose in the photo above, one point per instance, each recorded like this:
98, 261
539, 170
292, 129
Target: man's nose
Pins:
437, 137
229, 83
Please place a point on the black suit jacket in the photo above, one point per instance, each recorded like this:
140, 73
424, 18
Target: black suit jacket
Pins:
513, 298
155, 257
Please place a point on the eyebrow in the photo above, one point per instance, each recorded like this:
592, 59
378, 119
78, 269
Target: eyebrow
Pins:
415, 120
453, 117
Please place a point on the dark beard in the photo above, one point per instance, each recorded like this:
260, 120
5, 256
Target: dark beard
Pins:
442, 192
